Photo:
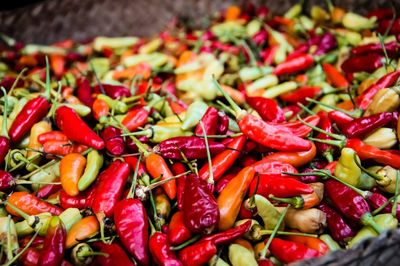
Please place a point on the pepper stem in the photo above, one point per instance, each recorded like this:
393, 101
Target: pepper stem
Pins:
187, 243
131, 193
210, 179
306, 109
92, 253
268, 232
48, 85
232, 103
367, 219
15, 258
369, 173
296, 202
338, 143
394, 207
357, 114
376, 211
333, 135
18, 210
17, 79
4, 131
274, 232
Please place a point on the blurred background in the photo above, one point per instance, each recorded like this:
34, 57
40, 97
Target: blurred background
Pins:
47, 21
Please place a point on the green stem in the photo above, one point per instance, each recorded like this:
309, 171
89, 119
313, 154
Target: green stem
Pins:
367, 219
306, 109
16, 80
338, 143
48, 85
373, 175
232, 103
335, 108
394, 207
4, 131
333, 135
277, 226
210, 167
296, 202
92, 253
131, 193
9, 251
187, 243
17, 210
390, 200
268, 232
11, 262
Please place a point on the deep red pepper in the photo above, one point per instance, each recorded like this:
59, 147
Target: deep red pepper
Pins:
135, 118
116, 255
32, 112
375, 200
177, 230
360, 127
84, 91
109, 188
339, 118
30, 257
223, 123
80, 201
268, 109
4, 138
114, 91
131, 222
76, 129
210, 121
288, 251
7, 182
133, 162
297, 128
114, 142
364, 100
292, 109
201, 213
293, 65
282, 187
268, 166
368, 63
161, 251
229, 235
338, 227
390, 47
179, 168
54, 244
192, 147
265, 262
387, 23
197, 254
131, 146
47, 190
52, 135
37, 242
4, 147
301, 94
381, 13
221, 184
325, 124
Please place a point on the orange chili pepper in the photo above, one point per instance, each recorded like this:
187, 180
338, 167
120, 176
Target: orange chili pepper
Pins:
135, 118
176, 107
244, 243
310, 200
27, 60
57, 63
62, 148
85, 228
157, 167
232, 13
236, 95
34, 144
311, 242
100, 108
346, 105
71, 169
231, 197
30, 204
296, 159
142, 69
334, 77
52, 135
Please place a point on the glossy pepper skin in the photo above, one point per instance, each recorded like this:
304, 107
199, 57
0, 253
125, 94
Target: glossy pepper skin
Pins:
177, 230
114, 91
296, 158
179, 168
375, 200
223, 123
161, 251
360, 127
116, 255
339, 118
390, 47
325, 124
30, 204
131, 222
68, 121
54, 244
200, 209
7, 182
114, 142
32, 112
288, 251
368, 63
268, 109
84, 91
198, 253
293, 65
210, 121
301, 94
135, 118
229, 235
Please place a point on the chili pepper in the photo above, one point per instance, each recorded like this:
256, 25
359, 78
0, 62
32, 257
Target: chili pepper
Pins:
229, 235
267, 108
350, 204
177, 230
360, 127
30, 204
4, 138
198, 253
36, 130
71, 169
311, 221
80, 201
194, 113
390, 47
385, 100
297, 128
223, 161
54, 243
114, 91
162, 205
161, 131
326, 43
380, 13
269, 166
100, 109
179, 168
310, 242
326, 125
93, 166
279, 89
339, 118
376, 200
387, 23
334, 77
133, 161
47, 190
223, 123
301, 94
132, 227
160, 248
210, 121
113, 140
52, 135
221, 184
68, 120
62, 148
239, 255
135, 118
84, 91
365, 99
288, 251
231, 197
200, 208
347, 169
115, 255
293, 65
368, 63
83, 229
295, 159
191, 147
269, 214
109, 189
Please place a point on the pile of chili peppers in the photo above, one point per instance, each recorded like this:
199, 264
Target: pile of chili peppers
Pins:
261, 140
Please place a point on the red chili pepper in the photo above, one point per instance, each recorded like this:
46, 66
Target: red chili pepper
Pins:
177, 230
380, 13
135, 118
62, 148
200, 208
390, 47
114, 91
364, 100
32, 112
131, 222
223, 161
265, 262
47, 190
161, 251
297, 128
267, 55
360, 127
223, 123
229, 235
116, 255
288, 251
4, 147
84, 91
192, 147
278, 186
198, 254
114, 142
325, 124
80, 201
69, 121
30, 204
338, 227
293, 65
54, 243
268, 109
30, 257
301, 94
292, 109
109, 189
179, 168
334, 77
368, 63
376, 200
339, 118
210, 121
133, 161
268, 166
221, 184
52, 135
296, 158
310, 242
387, 23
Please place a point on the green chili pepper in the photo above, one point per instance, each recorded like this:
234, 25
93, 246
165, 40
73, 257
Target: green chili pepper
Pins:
269, 214
347, 169
8, 236
294, 11
386, 221
229, 31
17, 108
263, 83
366, 182
357, 22
23, 228
329, 99
319, 14
81, 109
118, 106
70, 216
93, 165
277, 90
161, 105
252, 73
49, 174
3, 212
241, 256
253, 27
217, 261
38, 223
113, 42
100, 65
154, 59
194, 114
332, 244
233, 126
